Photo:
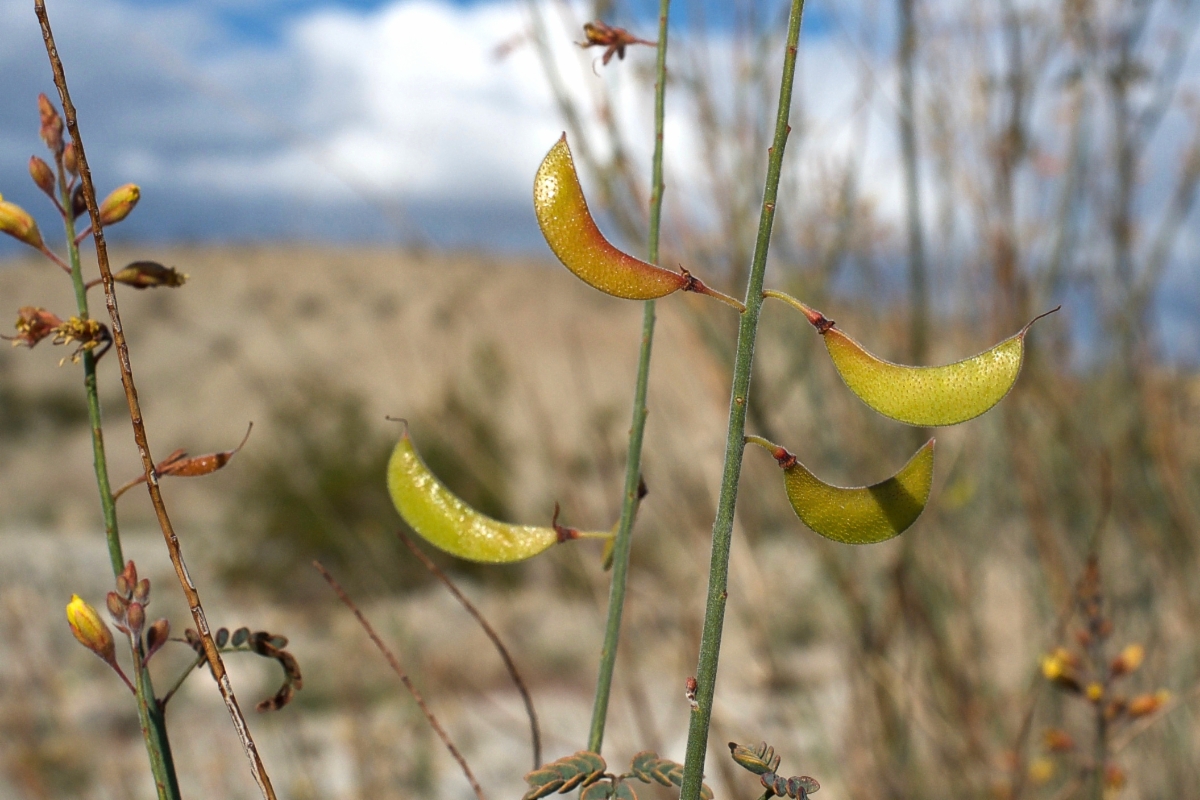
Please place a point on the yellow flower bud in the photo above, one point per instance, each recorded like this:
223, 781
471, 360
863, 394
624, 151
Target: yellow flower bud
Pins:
91, 631
119, 203
16, 222
1094, 691
1130, 659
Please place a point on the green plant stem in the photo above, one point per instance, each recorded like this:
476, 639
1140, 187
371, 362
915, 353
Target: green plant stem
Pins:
99, 460
718, 576
154, 730
633, 463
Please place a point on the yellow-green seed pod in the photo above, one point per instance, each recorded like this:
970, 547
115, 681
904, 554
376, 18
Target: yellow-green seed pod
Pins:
567, 224
446, 522
858, 515
563, 215
924, 396
928, 396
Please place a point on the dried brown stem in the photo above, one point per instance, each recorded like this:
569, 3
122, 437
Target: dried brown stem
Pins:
135, 414
534, 731
394, 663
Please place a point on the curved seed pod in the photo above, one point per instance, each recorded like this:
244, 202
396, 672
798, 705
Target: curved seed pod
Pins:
924, 396
567, 224
448, 523
862, 515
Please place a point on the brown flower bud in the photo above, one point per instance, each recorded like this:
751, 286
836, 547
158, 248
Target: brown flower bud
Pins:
1058, 741
71, 159
142, 591
90, 630
52, 125
17, 223
78, 203
136, 617
119, 203
1114, 777
148, 274
33, 325
1145, 704
42, 175
116, 605
1128, 661
157, 635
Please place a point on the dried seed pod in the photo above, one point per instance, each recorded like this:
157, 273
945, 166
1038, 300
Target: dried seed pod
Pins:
924, 396
571, 232
149, 274
858, 515
446, 522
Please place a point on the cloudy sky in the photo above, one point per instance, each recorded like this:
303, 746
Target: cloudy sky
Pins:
332, 119
394, 121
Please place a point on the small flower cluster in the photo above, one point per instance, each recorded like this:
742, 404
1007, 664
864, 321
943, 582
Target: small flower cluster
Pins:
127, 605
1088, 672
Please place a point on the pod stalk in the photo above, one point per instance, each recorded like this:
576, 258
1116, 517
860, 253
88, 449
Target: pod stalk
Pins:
722, 535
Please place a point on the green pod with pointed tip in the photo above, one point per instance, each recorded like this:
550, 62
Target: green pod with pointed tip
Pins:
928, 396
448, 523
925, 396
857, 515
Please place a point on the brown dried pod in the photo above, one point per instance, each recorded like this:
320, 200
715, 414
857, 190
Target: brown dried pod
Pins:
178, 464
149, 274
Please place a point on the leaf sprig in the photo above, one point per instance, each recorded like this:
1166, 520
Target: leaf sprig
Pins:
762, 761
589, 770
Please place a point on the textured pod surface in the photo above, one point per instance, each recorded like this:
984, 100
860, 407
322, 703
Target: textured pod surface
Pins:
867, 514
446, 522
567, 224
928, 396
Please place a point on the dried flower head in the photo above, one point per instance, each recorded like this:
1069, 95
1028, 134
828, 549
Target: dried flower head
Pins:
33, 325
89, 333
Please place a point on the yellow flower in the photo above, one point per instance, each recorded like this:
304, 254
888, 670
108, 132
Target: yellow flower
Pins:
91, 631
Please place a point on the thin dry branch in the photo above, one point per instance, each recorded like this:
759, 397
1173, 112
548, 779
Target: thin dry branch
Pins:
139, 428
534, 730
394, 663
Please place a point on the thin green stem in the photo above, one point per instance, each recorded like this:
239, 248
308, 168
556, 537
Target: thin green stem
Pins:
633, 463
718, 576
99, 461
158, 746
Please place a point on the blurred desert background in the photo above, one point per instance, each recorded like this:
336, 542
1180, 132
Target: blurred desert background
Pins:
350, 260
